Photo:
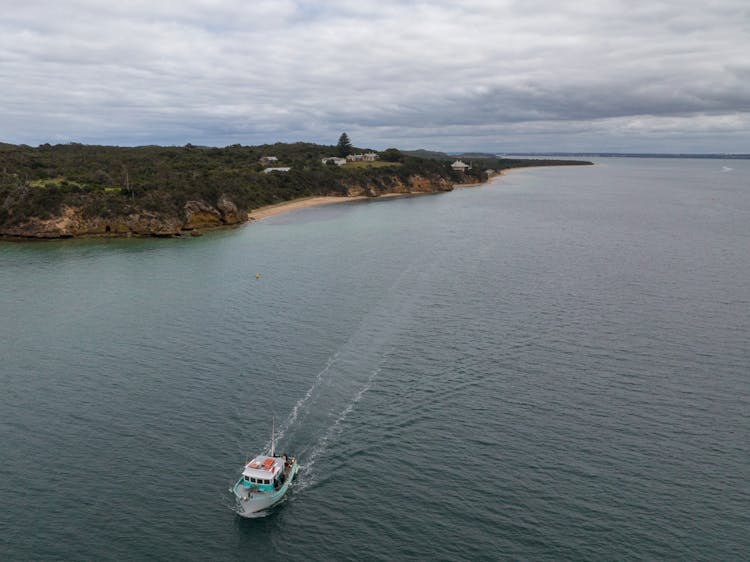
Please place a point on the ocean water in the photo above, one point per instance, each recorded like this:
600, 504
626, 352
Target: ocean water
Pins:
553, 366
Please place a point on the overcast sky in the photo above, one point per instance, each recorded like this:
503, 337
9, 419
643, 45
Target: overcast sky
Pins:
667, 76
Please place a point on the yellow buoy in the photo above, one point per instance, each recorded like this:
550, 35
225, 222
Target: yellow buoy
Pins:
257, 275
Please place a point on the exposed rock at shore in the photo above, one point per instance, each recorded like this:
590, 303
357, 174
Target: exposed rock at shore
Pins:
196, 214
71, 222
392, 184
230, 214
199, 214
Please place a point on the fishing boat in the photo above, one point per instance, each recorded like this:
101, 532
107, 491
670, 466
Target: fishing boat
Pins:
264, 482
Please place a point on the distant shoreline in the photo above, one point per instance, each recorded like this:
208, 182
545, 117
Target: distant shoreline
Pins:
318, 201
302, 203
296, 204
688, 156
503, 172
82, 197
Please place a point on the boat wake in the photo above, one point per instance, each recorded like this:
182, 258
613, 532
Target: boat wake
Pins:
303, 403
306, 475
257, 514
317, 420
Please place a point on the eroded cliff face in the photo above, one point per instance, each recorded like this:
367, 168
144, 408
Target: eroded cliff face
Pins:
392, 184
71, 222
195, 216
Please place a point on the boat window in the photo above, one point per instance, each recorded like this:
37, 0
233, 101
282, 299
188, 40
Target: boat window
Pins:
252, 480
266, 481
247, 479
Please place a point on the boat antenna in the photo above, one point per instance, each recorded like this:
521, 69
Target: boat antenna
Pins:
273, 435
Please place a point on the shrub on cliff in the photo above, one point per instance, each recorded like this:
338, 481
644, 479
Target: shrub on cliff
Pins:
22, 202
392, 155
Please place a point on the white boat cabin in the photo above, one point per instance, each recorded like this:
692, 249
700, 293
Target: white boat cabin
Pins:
264, 473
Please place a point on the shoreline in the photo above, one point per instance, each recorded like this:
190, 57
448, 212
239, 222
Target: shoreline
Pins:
318, 200
315, 201
296, 204
273, 210
498, 175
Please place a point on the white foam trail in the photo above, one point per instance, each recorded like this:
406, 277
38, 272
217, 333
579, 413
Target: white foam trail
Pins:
292, 417
372, 334
303, 402
331, 434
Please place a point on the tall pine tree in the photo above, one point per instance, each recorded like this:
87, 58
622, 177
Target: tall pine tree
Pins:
344, 147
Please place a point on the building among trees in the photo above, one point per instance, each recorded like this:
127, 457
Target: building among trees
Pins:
334, 160
459, 166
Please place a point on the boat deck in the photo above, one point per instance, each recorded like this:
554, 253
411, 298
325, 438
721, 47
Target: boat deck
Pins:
252, 491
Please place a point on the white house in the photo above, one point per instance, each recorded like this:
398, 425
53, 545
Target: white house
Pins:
268, 159
367, 157
281, 169
459, 166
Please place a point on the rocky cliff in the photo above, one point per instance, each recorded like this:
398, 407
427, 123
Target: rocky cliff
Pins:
195, 215
72, 221
392, 184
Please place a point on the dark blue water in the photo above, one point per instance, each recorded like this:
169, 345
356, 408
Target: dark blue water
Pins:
554, 366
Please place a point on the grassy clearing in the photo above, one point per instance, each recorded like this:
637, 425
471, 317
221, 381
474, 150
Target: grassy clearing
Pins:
53, 182
61, 182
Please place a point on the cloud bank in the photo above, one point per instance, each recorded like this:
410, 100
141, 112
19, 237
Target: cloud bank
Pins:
498, 75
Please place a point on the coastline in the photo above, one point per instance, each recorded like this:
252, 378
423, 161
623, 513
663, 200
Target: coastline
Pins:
296, 204
103, 230
315, 201
497, 175
318, 200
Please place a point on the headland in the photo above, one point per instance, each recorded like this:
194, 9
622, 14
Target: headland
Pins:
73, 190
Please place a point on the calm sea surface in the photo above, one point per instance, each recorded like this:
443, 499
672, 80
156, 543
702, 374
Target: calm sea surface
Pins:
554, 366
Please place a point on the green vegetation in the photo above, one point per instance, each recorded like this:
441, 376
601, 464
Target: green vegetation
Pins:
344, 147
392, 155
111, 181
54, 182
115, 181
376, 164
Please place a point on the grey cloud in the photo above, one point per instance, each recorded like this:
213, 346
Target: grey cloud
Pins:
477, 74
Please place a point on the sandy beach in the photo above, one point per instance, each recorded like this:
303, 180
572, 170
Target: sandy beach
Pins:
305, 202
296, 204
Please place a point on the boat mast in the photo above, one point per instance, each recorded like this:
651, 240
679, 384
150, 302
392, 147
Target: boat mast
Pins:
273, 435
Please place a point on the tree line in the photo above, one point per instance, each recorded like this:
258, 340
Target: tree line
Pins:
114, 181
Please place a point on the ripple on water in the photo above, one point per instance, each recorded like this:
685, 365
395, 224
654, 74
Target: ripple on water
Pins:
549, 367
